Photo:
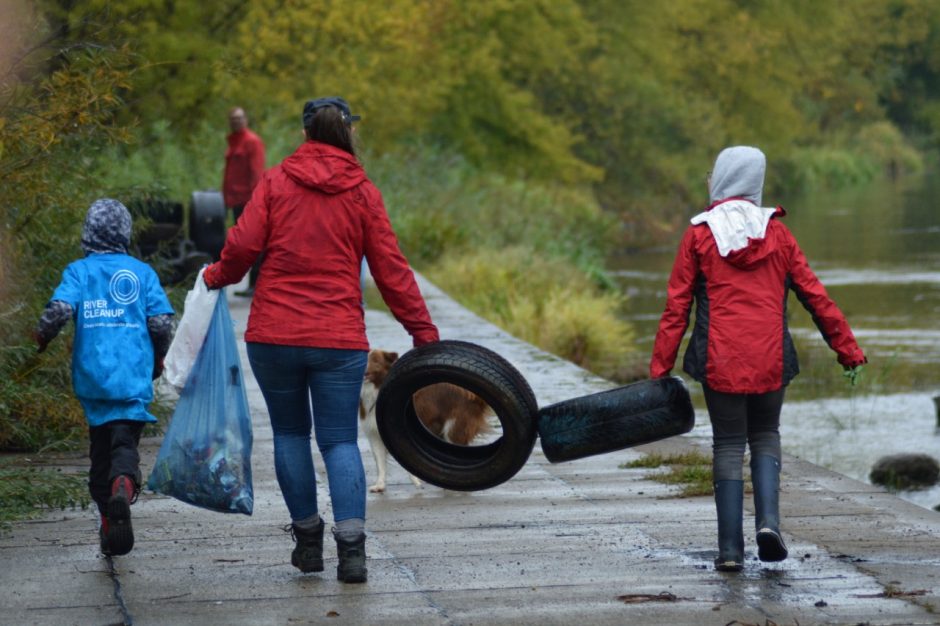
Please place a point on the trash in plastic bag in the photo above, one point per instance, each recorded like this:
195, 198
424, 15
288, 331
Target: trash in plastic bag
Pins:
205, 459
198, 310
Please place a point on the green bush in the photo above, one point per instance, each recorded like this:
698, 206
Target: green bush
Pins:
875, 151
490, 280
60, 121
581, 326
832, 168
28, 492
157, 161
543, 300
889, 149
64, 129
441, 204
38, 410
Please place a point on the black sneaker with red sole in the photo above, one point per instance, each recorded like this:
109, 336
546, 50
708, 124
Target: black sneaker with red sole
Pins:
120, 539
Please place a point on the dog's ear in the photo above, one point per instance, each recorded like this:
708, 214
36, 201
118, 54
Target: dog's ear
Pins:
391, 357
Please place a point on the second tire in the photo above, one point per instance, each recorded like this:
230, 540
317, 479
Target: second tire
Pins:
627, 416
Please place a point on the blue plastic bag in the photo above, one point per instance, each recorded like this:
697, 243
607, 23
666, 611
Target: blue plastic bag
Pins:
205, 459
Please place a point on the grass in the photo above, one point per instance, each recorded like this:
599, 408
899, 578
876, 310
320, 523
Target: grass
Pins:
692, 471
28, 492
542, 299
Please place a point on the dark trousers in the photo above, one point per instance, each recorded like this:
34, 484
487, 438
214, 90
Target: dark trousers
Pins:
253, 272
113, 453
740, 419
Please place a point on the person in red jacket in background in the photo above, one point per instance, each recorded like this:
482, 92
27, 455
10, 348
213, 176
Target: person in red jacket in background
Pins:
244, 165
316, 216
738, 262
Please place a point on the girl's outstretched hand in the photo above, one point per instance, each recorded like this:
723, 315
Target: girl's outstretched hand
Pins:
41, 342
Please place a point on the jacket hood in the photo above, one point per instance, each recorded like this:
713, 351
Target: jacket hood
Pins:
107, 227
752, 254
323, 167
738, 173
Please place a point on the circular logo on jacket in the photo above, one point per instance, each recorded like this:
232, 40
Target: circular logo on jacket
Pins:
124, 287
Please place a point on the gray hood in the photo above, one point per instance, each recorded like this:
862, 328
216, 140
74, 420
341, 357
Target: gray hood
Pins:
107, 227
738, 173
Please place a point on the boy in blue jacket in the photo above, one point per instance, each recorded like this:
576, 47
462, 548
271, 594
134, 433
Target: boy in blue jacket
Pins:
123, 329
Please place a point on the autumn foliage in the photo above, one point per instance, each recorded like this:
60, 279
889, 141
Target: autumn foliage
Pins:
567, 127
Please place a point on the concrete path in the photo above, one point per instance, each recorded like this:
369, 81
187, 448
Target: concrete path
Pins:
583, 542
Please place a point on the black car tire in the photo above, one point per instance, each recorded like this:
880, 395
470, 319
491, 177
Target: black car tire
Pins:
477, 369
642, 412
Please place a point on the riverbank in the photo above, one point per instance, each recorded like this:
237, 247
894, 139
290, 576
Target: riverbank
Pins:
578, 542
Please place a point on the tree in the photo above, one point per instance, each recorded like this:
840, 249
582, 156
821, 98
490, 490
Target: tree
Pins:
467, 73
57, 103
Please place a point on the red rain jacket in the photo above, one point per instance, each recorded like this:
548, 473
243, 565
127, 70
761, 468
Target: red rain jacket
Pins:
315, 216
244, 165
740, 342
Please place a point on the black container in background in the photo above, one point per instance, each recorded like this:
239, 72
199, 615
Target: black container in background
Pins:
207, 222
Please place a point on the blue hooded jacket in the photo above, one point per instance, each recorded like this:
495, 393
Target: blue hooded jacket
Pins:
111, 296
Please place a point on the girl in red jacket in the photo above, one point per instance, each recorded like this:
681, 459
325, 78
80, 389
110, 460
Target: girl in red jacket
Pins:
315, 216
738, 261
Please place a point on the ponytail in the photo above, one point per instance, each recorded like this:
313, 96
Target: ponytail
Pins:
328, 126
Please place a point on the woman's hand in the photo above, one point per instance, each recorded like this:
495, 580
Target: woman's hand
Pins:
208, 274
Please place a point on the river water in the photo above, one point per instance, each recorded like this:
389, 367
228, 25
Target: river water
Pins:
877, 250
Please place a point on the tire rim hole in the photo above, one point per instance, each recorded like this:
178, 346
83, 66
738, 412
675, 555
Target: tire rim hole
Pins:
456, 416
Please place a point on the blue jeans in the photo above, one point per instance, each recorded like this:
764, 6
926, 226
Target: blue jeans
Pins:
291, 379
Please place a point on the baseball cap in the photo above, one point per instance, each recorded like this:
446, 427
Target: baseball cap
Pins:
311, 107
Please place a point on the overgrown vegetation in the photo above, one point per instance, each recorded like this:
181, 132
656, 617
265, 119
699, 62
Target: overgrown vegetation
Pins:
27, 492
544, 300
59, 103
52, 126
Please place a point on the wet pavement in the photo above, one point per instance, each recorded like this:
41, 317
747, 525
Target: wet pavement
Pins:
578, 542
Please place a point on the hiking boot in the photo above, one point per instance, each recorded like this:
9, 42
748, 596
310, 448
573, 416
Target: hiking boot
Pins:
352, 559
120, 535
308, 553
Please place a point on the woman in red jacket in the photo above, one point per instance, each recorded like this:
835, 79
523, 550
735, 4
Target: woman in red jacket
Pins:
738, 261
316, 216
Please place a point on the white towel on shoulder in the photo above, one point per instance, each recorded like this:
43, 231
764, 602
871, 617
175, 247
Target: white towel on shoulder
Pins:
733, 223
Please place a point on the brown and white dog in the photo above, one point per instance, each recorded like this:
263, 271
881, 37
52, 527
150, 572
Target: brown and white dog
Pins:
450, 412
